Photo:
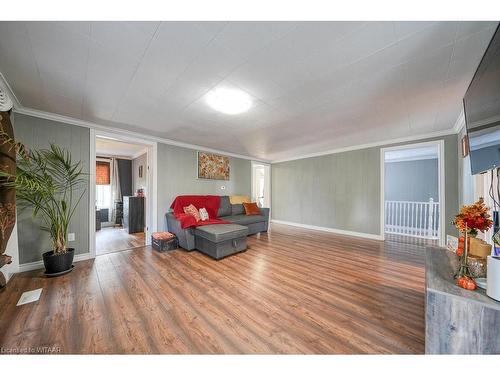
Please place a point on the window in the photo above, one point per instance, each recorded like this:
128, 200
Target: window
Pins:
103, 196
103, 186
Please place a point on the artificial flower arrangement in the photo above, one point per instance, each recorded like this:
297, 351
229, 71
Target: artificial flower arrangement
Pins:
471, 219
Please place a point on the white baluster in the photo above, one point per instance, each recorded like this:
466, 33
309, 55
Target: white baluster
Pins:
421, 232
400, 224
438, 220
398, 214
387, 213
431, 217
390, 216
394, 215
427, 210
405, 217
408, 218
415, 219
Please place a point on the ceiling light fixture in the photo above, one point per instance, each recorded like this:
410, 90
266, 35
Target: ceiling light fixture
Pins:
229, 101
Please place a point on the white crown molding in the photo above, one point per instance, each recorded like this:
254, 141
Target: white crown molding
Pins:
386, 142
39, 264
123, 157
92, 125
104, 156
460, 123
331, 230
139, 136
139, 153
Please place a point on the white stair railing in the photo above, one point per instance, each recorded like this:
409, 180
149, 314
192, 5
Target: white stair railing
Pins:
417, 219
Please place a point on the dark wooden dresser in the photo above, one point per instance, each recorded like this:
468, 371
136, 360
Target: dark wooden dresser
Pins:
133, 214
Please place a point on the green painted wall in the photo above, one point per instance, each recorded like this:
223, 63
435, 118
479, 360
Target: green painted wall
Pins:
342, 190
466, 179
139, 182
177, 175
451, 181
38, 134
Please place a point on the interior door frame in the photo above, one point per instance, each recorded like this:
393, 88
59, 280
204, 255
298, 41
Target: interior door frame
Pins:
441, 184
151, 190
267, 165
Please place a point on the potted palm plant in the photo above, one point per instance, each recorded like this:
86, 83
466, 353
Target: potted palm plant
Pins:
51, 184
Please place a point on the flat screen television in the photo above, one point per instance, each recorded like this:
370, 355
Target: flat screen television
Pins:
482, 110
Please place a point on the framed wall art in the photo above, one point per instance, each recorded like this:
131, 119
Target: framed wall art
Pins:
212, 166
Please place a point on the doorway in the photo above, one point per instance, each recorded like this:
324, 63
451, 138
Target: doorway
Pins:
412, 193
122, 200
261, 184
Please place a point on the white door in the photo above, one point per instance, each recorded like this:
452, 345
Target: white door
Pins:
261, 184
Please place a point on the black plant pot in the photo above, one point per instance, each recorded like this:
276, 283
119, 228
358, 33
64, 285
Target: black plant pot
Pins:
58, 264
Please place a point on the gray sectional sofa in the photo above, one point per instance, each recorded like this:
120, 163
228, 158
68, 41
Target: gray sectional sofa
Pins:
220, 240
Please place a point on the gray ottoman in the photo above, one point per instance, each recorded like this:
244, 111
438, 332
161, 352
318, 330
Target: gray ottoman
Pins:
221, 240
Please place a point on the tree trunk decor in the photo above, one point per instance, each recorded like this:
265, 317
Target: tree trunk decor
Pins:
7, 195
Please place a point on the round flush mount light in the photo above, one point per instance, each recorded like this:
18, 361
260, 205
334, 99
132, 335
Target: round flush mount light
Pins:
229, 101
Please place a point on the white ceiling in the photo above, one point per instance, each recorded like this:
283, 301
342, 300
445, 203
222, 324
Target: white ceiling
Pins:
316, 85
109, 147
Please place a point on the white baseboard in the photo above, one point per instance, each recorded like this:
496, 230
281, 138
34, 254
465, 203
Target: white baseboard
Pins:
39, 264
331, 230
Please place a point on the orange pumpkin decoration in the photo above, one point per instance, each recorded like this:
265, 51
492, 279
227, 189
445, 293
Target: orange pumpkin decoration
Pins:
466, 282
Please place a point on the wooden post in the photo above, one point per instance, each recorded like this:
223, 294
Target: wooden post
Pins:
7, 196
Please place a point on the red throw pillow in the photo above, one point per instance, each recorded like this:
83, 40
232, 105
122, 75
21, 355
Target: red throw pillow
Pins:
193, 211
251, 208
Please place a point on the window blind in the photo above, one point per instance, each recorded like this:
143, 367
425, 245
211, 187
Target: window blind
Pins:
102, 173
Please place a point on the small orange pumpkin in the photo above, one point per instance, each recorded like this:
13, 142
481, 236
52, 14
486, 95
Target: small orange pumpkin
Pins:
466, 282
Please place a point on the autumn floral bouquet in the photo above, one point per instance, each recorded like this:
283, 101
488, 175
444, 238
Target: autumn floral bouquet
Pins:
473, 218
469, 221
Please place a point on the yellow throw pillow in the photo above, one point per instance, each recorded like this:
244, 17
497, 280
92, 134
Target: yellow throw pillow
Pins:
239, 199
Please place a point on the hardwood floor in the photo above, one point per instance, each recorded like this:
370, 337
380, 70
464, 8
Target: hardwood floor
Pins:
292, 291
411, 240
111, 239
